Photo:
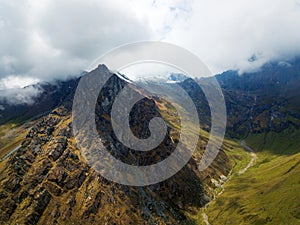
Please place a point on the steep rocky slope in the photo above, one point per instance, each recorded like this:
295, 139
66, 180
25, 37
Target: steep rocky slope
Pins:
48, 181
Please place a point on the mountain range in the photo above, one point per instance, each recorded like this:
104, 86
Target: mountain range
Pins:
46, 180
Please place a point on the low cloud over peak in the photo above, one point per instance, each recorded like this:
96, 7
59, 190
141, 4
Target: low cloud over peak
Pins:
20, 96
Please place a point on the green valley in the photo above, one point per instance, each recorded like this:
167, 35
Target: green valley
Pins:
268, 193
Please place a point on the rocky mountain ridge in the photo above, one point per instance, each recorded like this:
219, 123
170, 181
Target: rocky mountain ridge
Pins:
48, 181
257, 102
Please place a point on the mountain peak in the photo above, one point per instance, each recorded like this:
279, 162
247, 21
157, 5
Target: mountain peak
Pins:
177, 77
102, 67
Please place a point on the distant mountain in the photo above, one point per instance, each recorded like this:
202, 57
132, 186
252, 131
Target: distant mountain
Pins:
256, 102
263, 101
177, 77
273, 78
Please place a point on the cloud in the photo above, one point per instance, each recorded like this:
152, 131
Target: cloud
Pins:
225, 34
54, 39
12, 82
17, 96
149, 71
16, 90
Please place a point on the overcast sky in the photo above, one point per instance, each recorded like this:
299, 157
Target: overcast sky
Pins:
53, 39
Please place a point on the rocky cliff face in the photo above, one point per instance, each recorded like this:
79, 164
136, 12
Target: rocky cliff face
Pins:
48, 181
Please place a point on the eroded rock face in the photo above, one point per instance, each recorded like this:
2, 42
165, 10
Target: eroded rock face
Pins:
48, 181
57, 149
38, 206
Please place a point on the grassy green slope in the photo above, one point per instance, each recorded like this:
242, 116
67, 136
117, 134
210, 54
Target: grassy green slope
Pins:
11, 135
268, 193
239, 159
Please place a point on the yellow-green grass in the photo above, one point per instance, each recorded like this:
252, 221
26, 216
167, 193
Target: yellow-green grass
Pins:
11, 136
268, 193
237, 154
286, 142
240, 158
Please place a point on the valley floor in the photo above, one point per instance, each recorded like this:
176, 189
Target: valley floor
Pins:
241, 171
265, 191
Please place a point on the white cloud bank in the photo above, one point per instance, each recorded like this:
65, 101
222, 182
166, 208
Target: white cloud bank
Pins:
50, 39
16, 96
225, 34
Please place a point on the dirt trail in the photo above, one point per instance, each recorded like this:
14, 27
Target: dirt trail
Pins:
250, 164
252, 154
11, 152
205, 218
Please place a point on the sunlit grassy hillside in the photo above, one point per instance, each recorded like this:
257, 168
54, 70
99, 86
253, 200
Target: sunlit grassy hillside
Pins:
268, 193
